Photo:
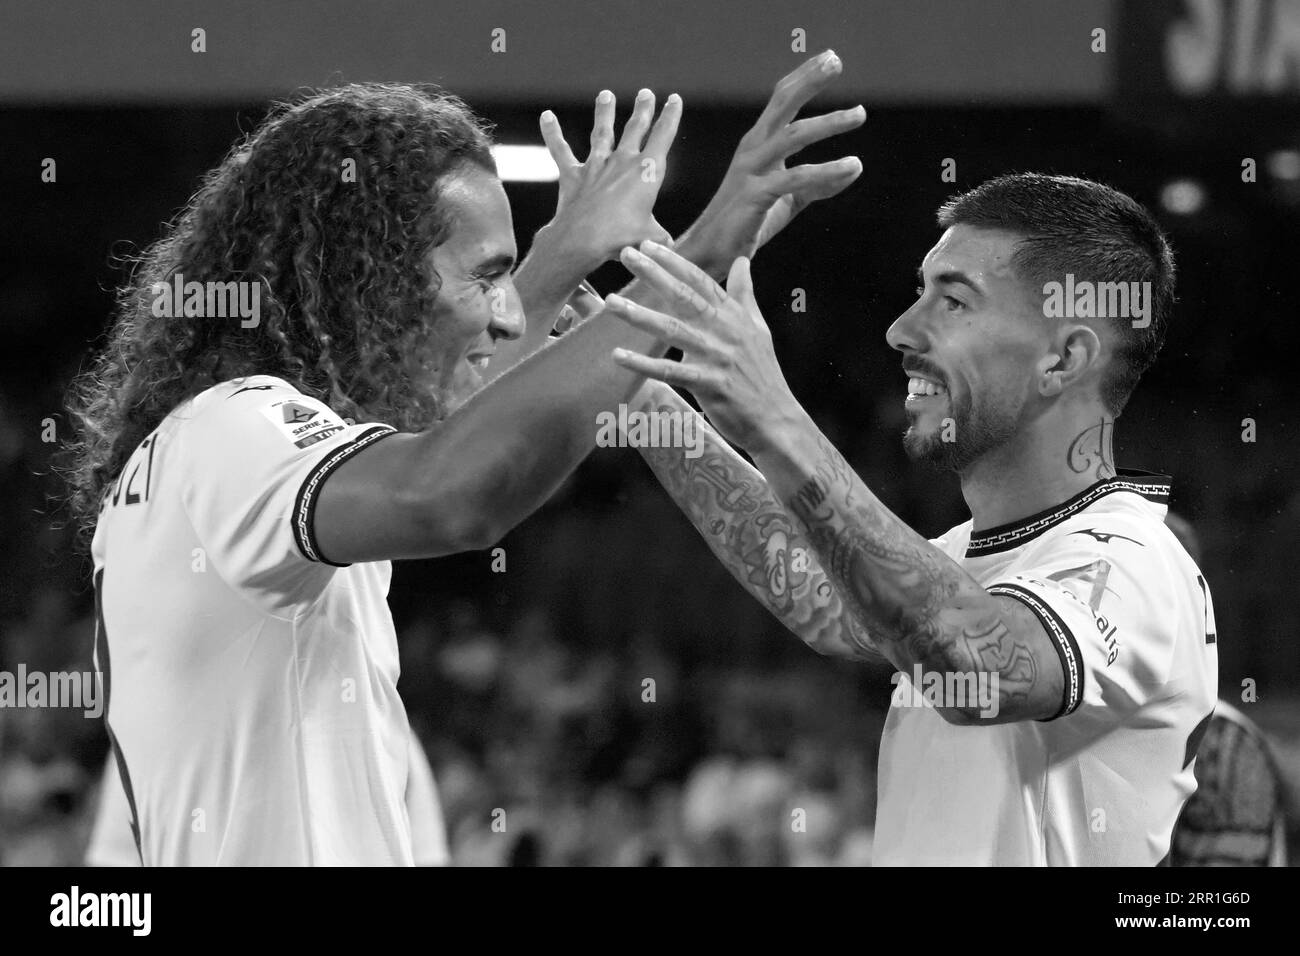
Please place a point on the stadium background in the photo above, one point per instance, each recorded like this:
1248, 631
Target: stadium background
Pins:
526, 686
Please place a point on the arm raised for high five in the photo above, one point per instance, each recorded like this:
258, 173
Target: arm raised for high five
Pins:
604, 203
463, 483
760, 194
746, 525
757, 198
919, 605
728, 501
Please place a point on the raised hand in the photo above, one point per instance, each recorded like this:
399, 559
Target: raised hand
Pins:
759, 194
728, 362
607, 202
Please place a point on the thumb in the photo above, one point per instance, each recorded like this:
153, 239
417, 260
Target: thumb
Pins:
659, 234
740, 285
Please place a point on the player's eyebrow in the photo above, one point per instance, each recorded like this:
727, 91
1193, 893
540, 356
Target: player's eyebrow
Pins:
502, 262
952, 277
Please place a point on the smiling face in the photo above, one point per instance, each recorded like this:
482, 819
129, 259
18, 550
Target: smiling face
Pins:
972, 346
477, 304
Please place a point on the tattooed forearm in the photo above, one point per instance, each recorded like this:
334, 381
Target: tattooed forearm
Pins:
893, 575
756, 539
991, 647
920, 606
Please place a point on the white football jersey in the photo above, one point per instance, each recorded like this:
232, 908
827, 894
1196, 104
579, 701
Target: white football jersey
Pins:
112, 842
1103, 781
251, 684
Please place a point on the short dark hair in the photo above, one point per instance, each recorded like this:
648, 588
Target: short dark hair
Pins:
1073, 225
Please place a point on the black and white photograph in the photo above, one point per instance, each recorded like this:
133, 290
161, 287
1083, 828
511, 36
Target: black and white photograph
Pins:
734, 434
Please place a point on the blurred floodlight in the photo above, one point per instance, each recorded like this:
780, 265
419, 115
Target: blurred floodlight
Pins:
1284, 164
1183, 197
524, 164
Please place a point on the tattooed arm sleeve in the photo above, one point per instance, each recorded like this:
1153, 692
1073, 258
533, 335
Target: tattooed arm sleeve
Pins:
752, 534
920, 606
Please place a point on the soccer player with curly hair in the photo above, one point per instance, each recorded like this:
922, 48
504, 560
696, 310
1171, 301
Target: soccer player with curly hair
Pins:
323, 366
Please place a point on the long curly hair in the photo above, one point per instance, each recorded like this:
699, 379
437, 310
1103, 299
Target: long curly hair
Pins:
332, 205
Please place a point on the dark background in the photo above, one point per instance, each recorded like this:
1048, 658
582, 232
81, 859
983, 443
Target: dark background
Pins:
527, 685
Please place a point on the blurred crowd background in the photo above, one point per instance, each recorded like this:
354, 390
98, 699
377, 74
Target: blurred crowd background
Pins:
528, 687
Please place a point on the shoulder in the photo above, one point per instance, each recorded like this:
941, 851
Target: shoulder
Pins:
246, 391
257, 410
1133, 538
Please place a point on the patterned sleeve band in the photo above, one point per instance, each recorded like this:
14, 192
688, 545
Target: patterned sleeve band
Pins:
304, 506
1067, 649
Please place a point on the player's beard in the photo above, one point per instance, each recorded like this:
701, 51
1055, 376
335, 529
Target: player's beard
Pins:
976, 430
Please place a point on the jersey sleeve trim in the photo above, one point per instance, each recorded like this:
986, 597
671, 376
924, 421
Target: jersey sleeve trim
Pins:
1067, 648
304, 505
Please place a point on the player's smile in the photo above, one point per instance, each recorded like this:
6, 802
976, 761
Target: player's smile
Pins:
921, 389
927, 387
477, 302
478, 362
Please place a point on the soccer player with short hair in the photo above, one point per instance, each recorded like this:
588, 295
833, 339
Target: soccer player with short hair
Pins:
249, 478
1065, 591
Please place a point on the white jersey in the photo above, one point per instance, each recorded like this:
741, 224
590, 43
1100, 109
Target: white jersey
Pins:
424, 808
251, 684
1103, 781
112, 842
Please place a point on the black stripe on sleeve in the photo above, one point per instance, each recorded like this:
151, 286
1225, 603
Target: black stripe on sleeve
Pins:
1067, 648
304, 505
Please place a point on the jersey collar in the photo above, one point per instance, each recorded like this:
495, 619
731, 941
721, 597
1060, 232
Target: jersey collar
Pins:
1153, 487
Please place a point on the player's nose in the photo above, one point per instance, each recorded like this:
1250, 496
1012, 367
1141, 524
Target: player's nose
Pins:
906, 333
508, 316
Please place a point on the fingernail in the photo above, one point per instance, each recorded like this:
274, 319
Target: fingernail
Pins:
831, 64
649, 245
548, 117
632, 253
615, 301
674, 98
643, 94
620, 353
604, 97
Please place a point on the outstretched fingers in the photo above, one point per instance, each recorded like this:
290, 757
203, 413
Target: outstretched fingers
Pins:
796, 88
556, 144
686, 272
667, 328
819, 180
638, 124
678, 291
664, 132
803, 133
602, 129
665, 370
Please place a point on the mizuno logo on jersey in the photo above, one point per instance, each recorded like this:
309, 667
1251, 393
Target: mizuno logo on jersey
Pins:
1105, 536
250, 388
